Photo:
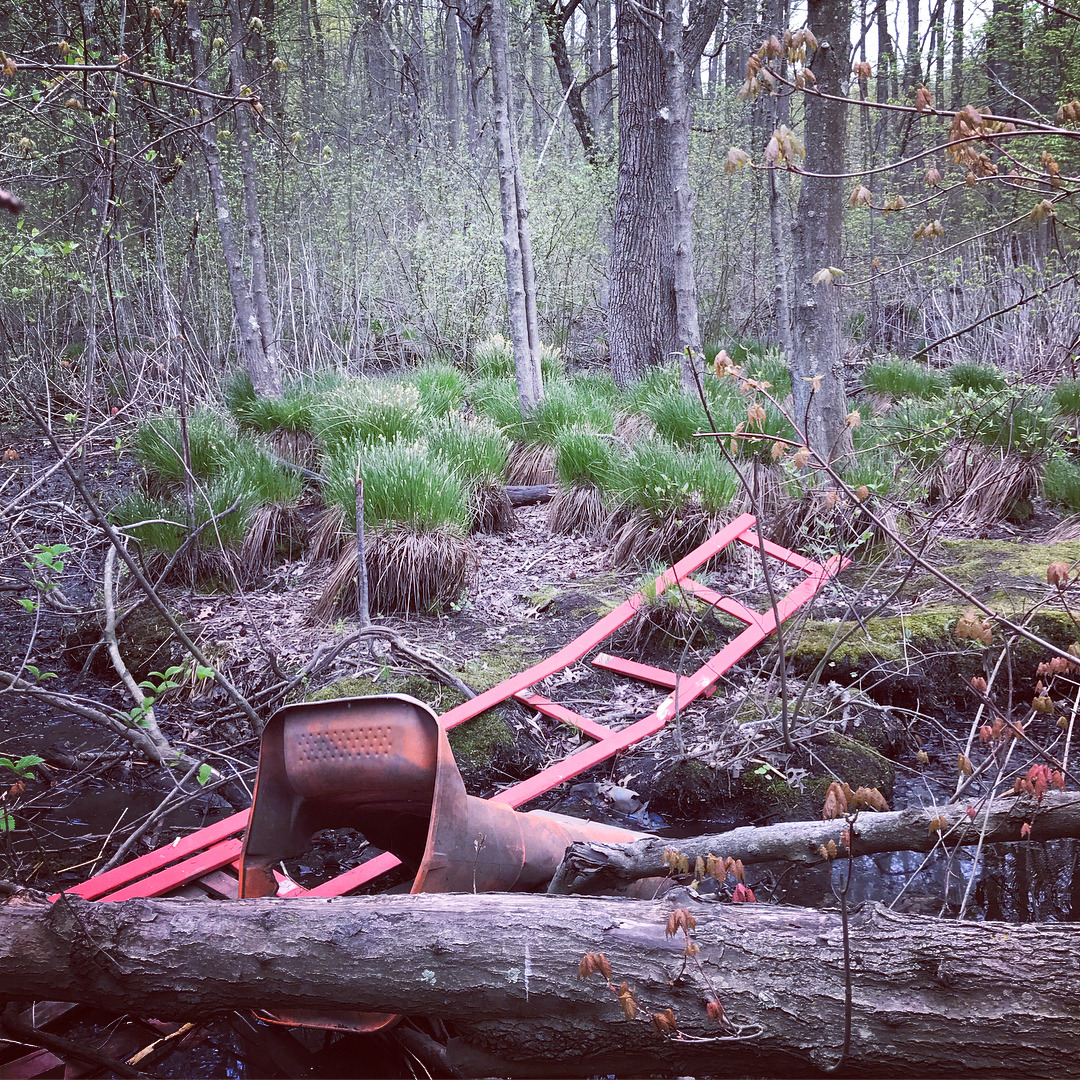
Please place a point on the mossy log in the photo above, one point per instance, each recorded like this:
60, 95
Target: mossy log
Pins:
930, 997
590, 868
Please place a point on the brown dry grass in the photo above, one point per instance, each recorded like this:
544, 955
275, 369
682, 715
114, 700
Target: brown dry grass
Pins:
327, 538
407, 572
491, 510
530, 463
274, 530
980, 485
578, 510
638, 539
299, 447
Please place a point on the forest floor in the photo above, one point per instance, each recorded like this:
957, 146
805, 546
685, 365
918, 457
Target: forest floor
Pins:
529, 593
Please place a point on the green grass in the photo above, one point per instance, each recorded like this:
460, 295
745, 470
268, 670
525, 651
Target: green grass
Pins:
655, 383
494, 359
979, 378
403, 483
902, 378
441, 387
660, 478
566, 403
585, 459
158, 446
1066, 397
369, 411
476, 449
157, 524
1061, 483
250, 470
676, 416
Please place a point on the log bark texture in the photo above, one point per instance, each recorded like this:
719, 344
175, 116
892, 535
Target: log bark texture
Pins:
929, 996
591, 868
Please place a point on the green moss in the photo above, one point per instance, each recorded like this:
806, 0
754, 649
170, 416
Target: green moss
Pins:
440, 698
832, 757
478, 742
999, 563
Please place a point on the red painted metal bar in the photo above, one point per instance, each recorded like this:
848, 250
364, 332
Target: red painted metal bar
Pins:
163, 876
726, 604
783, 554
173, 877
635, 670
588, 727
96, 887
592, 637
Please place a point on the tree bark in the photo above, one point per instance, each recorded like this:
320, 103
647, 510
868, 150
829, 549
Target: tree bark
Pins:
517, 247
929, 996
641, 313
675, 117
588, 868
816, 361
262, 368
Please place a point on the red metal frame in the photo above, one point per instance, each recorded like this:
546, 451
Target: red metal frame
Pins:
217, 846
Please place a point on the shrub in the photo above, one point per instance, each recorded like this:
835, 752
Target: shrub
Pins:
1066, 397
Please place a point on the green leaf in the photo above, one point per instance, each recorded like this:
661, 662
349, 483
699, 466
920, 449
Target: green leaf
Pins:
204, 774
27, 604
7, 822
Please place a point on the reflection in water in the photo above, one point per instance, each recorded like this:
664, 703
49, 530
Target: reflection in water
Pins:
1016, 882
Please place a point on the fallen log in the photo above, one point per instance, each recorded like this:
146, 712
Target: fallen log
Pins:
596, 867
929, 996
529, 494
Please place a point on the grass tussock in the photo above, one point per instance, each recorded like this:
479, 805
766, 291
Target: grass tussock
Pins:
979, 484
408, 571
902, 378
1061, 483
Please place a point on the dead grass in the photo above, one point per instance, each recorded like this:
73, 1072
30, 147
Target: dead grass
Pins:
491, 510
327, 537
299, 447
577, 510
669, 621
407, 572
530, 463
637, 538
980, 485
275, 531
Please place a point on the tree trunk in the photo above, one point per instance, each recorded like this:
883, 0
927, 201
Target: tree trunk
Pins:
270, 373
555, 19
929, 996
675, 118
520, 279
816, 360
264, 373
598, 867
641, 312
957, 101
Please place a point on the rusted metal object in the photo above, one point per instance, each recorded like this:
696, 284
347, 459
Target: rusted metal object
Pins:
383, 765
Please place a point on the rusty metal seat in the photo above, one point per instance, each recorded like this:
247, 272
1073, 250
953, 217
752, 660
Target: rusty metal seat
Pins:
383, 765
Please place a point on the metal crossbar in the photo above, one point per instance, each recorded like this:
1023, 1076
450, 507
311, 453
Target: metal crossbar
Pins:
191, 858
